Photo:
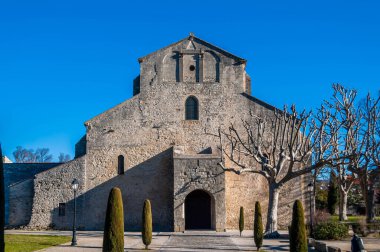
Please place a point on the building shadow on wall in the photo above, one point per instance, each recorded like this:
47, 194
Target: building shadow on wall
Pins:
151, 179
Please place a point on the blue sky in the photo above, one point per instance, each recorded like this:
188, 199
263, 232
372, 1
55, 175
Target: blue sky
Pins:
63, 62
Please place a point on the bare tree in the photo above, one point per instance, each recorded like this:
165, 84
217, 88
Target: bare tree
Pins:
41, 155
345, 119
280, 147
357, 139
23, 155
367, 165
345, 181
62, 158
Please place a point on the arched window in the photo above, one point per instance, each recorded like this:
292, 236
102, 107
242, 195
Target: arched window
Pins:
120, 164
191, 108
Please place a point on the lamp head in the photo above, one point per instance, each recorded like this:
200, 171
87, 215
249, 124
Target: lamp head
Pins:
75, 184
310, 187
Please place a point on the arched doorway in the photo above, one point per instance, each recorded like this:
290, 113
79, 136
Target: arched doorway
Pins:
198, 210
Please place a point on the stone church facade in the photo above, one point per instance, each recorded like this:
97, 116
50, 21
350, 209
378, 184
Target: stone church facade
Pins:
155, 146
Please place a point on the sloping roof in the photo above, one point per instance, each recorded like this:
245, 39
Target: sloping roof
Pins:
261, 102
6, 160
201, 41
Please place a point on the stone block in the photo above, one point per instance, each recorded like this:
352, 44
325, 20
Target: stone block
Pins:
320, 246
311, 242
333, 249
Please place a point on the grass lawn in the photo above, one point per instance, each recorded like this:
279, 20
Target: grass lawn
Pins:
355, 218
26, 243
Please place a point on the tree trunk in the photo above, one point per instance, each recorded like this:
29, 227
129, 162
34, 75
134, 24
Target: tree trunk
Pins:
271, 226
369, 199
364, 187
343, 205
370, 205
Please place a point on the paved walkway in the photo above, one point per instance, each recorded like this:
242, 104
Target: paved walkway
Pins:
370, 244
199, 241
189, 241
246, 242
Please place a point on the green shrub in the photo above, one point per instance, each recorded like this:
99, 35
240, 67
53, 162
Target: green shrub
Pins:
241, 220
258, 230
113, 239
147, 224
332, 230
297, 235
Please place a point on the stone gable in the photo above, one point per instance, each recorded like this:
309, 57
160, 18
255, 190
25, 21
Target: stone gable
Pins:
162, 150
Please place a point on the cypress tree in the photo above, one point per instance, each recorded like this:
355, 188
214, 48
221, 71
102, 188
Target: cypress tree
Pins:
2, 203
297, 236
241, 220
258, 229
113, 239
332, 196
147, 224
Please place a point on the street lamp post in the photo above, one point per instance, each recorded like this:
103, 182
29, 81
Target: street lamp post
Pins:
74, 186
310, 189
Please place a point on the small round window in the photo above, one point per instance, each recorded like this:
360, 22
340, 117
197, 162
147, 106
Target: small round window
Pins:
192, 68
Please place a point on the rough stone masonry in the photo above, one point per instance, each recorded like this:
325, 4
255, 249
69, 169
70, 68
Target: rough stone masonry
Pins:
154, 146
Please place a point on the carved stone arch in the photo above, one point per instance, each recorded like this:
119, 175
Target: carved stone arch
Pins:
200, 210
169, 70
211, 67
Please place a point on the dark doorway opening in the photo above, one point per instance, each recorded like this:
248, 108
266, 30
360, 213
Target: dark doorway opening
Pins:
198, 210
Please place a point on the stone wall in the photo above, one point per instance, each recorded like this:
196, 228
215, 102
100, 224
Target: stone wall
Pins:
151, 179
21, 203
80, 147
53, 187
15, 173
145, 128
199, 172
153, 121
247, 188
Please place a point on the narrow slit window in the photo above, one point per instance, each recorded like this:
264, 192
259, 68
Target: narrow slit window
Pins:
120, 164
62, 209
191, 109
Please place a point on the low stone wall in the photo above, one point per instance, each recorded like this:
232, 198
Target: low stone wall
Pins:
333, 249
322, 246
15, 173
53, 187
21, 203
